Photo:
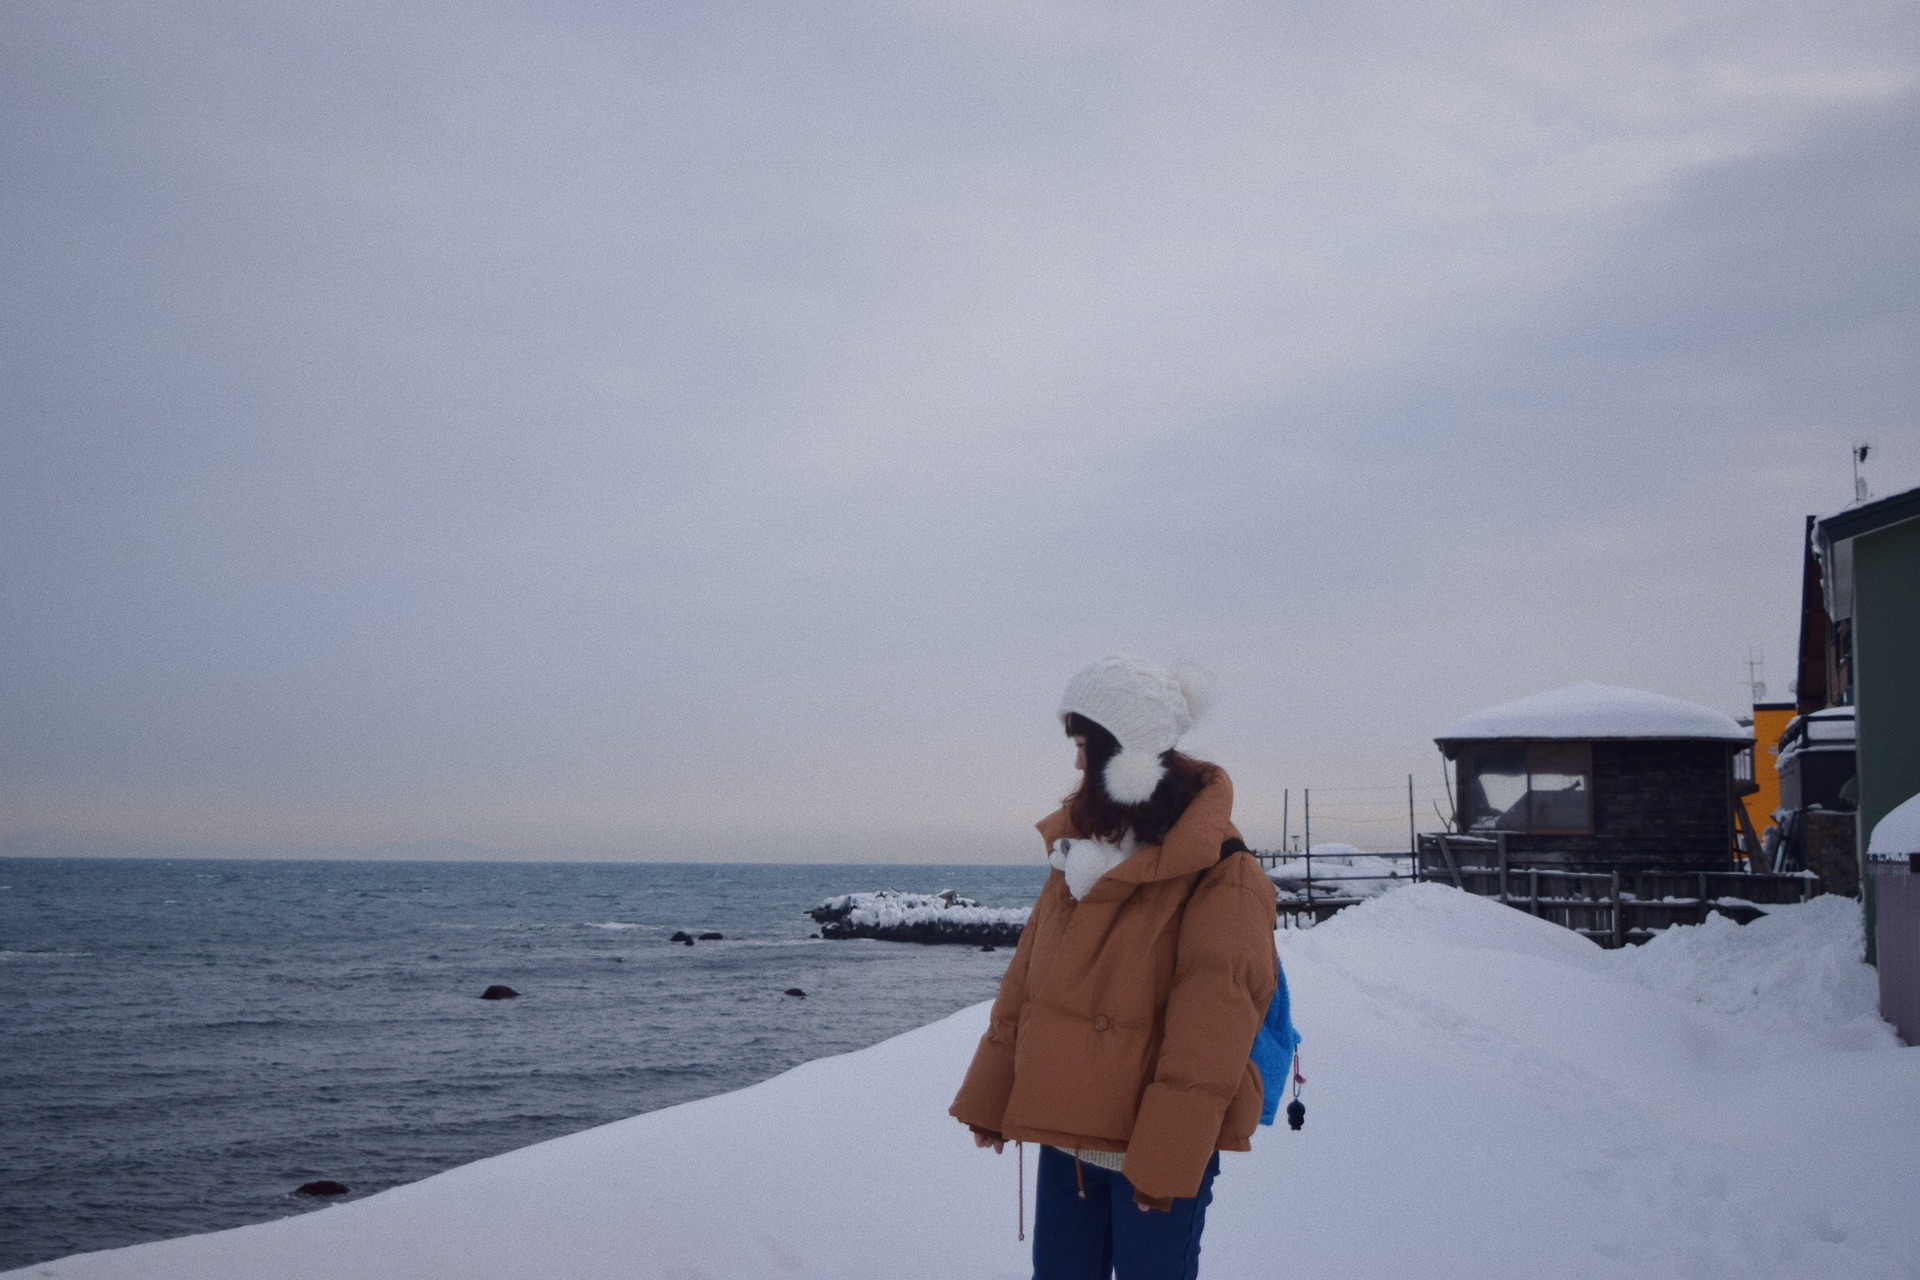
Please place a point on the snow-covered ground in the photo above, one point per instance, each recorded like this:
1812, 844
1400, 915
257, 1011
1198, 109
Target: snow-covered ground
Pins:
1488, 1096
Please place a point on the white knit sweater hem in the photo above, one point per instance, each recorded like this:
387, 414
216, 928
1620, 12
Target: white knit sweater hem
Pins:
1108, 1160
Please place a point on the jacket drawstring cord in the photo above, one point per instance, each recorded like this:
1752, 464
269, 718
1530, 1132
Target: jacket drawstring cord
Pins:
1020, 1158
1078, 1180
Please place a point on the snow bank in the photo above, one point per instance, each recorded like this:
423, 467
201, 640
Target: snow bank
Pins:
1794, 971
1896, 837
1489, 1097
1588, 710
892, 916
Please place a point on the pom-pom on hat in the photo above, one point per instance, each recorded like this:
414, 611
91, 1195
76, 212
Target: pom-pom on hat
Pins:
1146, 707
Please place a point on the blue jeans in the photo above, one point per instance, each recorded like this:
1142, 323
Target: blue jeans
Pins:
1104, 1234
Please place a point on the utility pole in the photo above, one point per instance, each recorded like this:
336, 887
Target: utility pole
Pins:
1306, 805
1284, 797
1413, 838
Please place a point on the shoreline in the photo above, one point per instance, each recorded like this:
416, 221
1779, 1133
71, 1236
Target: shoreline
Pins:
1489, 1096
141, 1104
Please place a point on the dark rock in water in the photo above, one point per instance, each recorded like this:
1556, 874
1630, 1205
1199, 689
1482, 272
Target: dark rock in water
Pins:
681, 935
711, 936
813, 935
323, 1187
795, 991
498, 992
619, 959
989, 947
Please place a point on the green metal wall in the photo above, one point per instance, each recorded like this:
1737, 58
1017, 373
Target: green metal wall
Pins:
1886, 646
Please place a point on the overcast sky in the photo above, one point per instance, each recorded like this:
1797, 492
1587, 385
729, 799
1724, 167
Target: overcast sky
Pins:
677, 431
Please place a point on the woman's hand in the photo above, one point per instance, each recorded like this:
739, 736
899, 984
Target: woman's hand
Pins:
986, 1138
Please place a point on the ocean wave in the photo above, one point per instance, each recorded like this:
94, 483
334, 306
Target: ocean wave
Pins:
610, 924
41, 955
516, 926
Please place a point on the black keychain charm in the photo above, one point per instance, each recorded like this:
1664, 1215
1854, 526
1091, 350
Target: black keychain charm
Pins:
1296, 1110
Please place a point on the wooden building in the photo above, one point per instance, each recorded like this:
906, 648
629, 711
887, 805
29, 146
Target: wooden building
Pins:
1594, 777
1813, 825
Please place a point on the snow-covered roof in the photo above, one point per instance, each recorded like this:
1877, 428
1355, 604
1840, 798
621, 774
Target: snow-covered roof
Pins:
1587, 710
1830, 729
1896, 837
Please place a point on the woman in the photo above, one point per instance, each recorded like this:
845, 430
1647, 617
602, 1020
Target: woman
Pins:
1121, 1034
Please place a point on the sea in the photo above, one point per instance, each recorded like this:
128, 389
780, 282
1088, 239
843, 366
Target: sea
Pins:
183, 1043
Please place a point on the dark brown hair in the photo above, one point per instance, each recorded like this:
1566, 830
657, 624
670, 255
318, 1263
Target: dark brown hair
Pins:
1098, 816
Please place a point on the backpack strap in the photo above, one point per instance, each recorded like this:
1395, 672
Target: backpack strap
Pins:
1228, 847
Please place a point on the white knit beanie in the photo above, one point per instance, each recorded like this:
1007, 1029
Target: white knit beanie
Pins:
1144, 705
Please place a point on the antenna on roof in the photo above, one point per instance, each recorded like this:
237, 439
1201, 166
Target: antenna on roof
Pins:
1755, 685
1861, 450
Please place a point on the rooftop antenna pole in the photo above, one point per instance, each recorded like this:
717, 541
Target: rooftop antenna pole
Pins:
1755, 685
1862, 449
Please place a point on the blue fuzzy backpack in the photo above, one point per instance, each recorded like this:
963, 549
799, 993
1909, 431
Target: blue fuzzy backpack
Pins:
1276, 1043
1274, 1047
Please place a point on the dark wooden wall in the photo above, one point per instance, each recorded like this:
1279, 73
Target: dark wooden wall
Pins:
1666, 804
1814, 671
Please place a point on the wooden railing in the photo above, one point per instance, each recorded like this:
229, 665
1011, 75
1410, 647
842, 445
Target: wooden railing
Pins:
1614, 907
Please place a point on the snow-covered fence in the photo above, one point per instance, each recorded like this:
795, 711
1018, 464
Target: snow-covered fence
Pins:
892, 916
1614, 907
1327, 878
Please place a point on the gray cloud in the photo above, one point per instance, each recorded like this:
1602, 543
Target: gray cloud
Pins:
722, 434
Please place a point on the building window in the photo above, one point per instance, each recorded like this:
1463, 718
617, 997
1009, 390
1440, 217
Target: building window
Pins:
1542, 787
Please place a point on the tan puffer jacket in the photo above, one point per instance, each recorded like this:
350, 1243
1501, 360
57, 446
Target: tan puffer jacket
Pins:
1125, 1019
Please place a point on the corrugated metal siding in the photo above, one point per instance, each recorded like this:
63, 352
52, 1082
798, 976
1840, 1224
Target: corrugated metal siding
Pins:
1897, 922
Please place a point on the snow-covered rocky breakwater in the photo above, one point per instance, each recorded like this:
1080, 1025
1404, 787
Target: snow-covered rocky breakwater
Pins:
892, 916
